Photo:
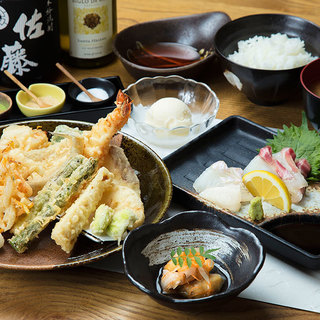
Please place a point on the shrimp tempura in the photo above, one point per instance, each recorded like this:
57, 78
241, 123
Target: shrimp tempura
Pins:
97, 140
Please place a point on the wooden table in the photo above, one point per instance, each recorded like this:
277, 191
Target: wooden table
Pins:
85, 293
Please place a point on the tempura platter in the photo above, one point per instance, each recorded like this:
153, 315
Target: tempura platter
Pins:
44, 254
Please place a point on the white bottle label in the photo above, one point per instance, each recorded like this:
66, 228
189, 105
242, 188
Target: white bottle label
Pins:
90, 28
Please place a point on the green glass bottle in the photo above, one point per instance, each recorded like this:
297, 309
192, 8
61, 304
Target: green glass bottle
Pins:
87, 28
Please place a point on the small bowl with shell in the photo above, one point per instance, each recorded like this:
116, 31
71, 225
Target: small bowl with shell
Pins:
174, 46
262, 55
170, 111
192, 259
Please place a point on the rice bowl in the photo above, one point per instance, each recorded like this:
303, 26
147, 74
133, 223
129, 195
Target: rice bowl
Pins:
262, 86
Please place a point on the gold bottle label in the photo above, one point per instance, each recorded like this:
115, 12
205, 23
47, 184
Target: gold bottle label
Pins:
90, 28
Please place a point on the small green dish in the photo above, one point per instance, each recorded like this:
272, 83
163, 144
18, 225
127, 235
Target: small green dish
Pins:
41, 90
5, 105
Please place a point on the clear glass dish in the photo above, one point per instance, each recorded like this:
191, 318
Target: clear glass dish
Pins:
201, 100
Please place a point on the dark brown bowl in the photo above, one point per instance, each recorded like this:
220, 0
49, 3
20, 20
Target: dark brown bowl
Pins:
6, 101
308, 77
196, 30
264, 87
156, 193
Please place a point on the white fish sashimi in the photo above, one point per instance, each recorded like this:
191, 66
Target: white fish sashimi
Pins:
226, 197
218, 174
223, 186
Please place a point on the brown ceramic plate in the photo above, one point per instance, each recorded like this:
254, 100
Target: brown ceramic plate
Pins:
156, 192
196, 30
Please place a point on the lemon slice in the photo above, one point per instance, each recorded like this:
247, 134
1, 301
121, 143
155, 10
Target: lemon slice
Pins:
269, 187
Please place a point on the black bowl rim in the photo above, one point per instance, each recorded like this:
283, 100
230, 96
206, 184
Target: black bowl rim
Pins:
307, 66
119, 247
219, 53
218, 296
161, 70
93, 104
303, 217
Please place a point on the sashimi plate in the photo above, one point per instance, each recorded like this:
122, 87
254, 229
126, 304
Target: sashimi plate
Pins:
235, 141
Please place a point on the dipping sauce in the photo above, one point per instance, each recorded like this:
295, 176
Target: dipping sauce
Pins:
304, 235
314, 87
47, 100
97, 92
163, 55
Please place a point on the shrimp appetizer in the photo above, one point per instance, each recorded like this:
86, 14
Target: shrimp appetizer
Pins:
188, 274
81, 177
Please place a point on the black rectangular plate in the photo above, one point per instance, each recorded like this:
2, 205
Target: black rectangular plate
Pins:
69, 111
235, 140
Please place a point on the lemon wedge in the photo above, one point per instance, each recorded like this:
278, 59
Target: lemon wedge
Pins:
269, 187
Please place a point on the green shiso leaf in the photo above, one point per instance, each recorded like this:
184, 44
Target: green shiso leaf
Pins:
180, 262
189, 262
209, 256
304, 142
212, 250
198, 261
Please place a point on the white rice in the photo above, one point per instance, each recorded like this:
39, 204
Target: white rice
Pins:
277, 52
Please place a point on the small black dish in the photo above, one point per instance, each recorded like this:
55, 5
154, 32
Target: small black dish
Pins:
239, 258
264, 87
310, 81
302, 230
89, 83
